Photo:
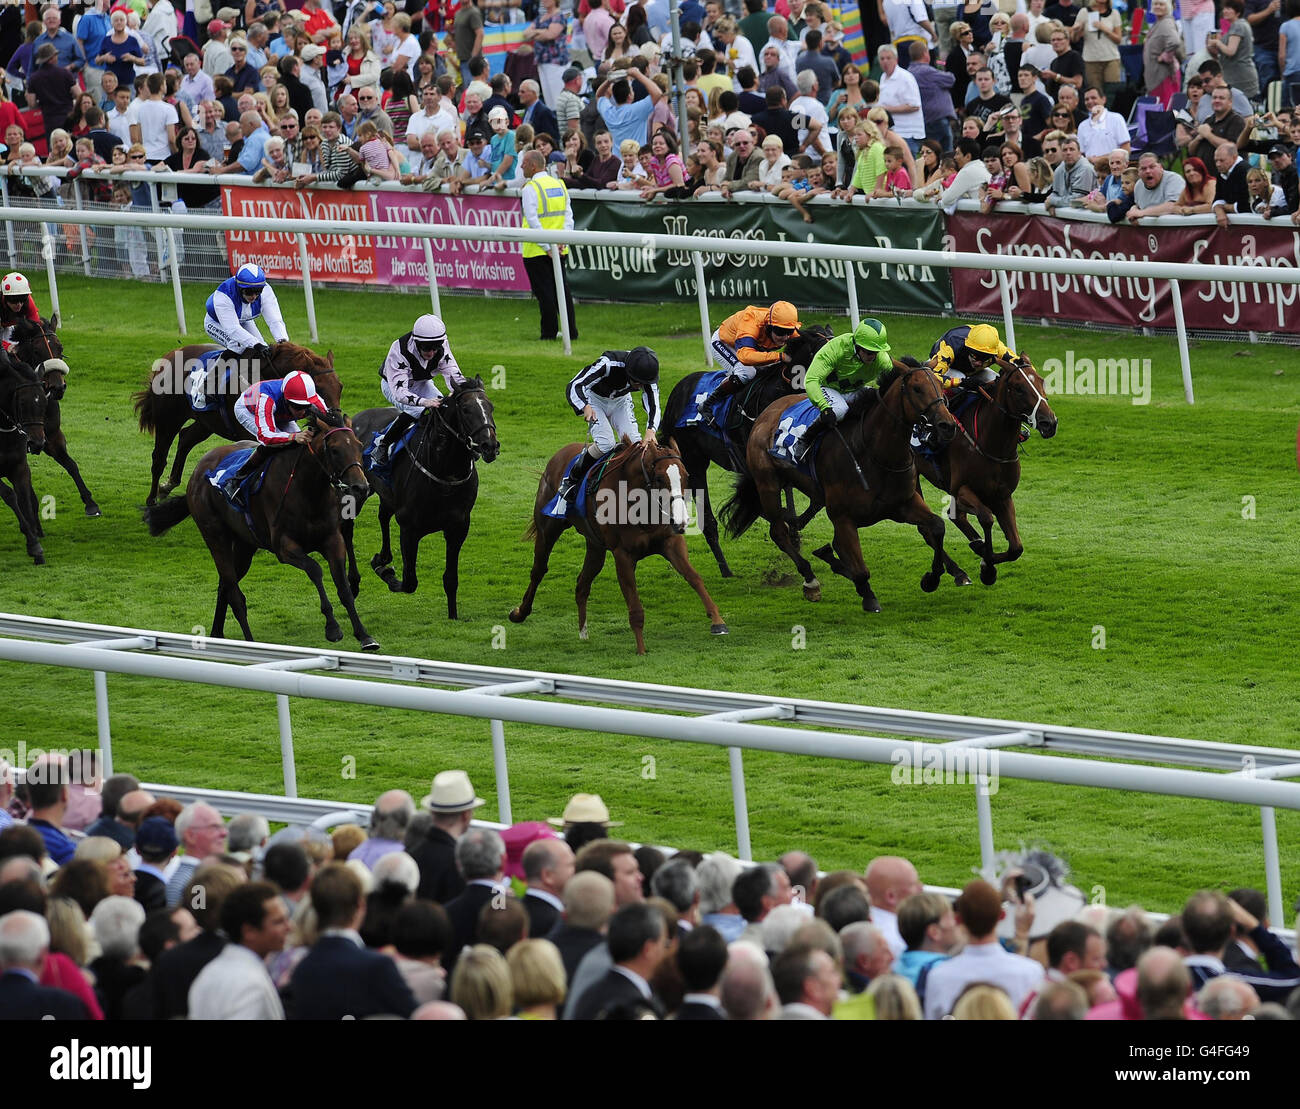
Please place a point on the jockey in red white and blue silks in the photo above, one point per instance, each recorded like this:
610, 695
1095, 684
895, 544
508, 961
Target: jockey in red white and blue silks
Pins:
233, 309
269, 411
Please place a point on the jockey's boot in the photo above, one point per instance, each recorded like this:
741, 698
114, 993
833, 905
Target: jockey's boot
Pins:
826, 420
730, 384
253, 463
395, 431
572, 483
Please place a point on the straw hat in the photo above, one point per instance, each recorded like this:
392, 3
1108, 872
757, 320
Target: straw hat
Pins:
452, 793
585, 808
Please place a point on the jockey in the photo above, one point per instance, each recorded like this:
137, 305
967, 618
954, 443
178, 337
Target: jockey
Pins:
752, 339
602, 395
967, 350
845, 364
232, 311
406, 377
269, 411
16, 304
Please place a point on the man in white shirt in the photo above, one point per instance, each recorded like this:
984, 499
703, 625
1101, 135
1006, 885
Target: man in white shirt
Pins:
979, 908
890, 881
437, 114
779, 31
124, 118
158, 121
807, 104
1103, 131
908, 21
196, 86
900, 95
160, 27
235, 985
217, 57
312, 75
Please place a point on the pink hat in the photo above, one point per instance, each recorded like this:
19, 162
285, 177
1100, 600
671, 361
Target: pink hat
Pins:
517, 837
216, 25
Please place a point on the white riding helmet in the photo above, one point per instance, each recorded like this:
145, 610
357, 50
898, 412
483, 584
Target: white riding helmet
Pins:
15, 285
429, 329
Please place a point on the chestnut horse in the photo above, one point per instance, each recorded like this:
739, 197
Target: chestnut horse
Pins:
625, 513
164, 403
298, 510
980, 470
864, 474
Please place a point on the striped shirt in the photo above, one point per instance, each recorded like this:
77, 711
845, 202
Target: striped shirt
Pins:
607, 377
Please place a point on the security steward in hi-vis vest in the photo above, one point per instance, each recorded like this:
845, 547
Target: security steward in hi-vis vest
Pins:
546, 207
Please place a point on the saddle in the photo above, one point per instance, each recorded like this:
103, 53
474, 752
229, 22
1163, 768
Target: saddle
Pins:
385, 472
210, 382
577, 507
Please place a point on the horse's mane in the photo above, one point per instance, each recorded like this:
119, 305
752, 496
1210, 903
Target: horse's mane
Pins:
468, 385
332, 418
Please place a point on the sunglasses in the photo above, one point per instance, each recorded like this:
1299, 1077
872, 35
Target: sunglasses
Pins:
237, 50
1060, 115
288, 127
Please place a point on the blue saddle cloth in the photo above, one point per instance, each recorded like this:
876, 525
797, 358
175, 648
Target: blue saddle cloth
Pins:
961, 404
795, 421
250, 485
690, 417
385, 472
578, 509
214, 392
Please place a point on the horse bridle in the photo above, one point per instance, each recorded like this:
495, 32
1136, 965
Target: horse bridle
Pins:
463, 438
15, 424
647, 473
335, 479
44, 336
922, 417
1030, 418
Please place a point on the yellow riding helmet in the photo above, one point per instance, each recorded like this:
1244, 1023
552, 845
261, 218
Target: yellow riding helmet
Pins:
984, 339
783, 314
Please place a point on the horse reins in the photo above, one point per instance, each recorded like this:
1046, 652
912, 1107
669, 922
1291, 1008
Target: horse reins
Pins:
335, 479
16, 425
458, 437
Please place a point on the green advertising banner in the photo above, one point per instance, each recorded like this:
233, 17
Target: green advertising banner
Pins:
598, 273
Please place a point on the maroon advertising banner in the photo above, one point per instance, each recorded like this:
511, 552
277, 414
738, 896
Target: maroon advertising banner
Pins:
1128, 302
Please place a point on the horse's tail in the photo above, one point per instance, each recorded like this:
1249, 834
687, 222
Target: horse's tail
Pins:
743, 508
146, 406
530, 532
166, 514
677, 401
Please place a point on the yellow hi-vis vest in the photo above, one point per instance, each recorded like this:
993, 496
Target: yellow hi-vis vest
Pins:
552, 204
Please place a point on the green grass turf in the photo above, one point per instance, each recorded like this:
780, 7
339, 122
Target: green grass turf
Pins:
1132, 519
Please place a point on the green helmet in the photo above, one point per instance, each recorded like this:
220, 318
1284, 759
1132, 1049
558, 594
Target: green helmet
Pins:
870, 338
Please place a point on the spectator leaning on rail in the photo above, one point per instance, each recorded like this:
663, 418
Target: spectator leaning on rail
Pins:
1074, 178
1232, 194
1157, 190
971, 174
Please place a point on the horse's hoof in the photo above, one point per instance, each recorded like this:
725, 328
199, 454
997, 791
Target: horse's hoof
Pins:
165, 488
38, 557
930, 582
812, 592
517, 616
726, 571
369, 644
961, 579
355, 586
92, 510
870, 604
394, 586
988, 573
334, 634
719, 629
582, 631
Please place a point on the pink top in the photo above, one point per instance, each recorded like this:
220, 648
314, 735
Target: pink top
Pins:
375, 152
898, 179
660, 169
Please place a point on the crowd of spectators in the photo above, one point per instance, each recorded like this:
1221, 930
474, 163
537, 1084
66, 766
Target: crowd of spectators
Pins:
963, 102
119, 905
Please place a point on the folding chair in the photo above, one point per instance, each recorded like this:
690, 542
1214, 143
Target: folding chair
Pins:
1159, 132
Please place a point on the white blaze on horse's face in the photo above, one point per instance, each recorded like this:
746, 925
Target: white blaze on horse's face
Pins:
678, 513
1032, 419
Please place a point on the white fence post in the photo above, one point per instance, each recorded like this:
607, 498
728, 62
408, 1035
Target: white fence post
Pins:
702, 295
1183, 356
306, 287
176, 278
744, 850
851, 284
1272, 868
286, 745
9, 227
984, 814
47, 249
561, 296
502, 772
85, 231
1008, 321
434, 299
101, 722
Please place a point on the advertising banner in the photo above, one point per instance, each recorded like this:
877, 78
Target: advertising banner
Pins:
1129, 302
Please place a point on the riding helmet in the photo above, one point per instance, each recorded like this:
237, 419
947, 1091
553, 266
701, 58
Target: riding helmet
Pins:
15, 285
642, 366
429, 329
299, 388
869, 337
783, 314
983, 339
250, 276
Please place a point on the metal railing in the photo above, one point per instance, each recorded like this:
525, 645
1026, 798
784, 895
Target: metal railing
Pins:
981, 746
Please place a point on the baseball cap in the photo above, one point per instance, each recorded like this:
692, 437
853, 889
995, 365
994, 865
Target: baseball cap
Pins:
556, 156
1277, 148
311, 51
498, 113
216, 25
228, 15
156, 836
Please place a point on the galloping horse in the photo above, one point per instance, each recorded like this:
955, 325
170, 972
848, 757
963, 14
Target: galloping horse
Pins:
864, 472
701, 446
623, 513
434, 484
22, 432
297, 510
38, 345
164, 402
981, 467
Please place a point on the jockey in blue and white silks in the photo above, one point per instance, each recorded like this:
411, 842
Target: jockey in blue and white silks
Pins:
233, 309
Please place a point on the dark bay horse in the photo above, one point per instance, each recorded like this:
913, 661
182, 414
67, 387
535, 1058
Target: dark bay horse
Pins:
980, 470
700, 447
435, 483
865, 474
636, 506
22, 432
297, 511
38, 345
164, 404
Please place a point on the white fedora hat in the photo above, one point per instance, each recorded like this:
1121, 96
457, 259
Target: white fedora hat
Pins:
586, 808
452, 792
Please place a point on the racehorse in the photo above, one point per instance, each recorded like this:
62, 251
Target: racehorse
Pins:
297, 510
864, 472
434, 484
700, 446
624, 513
22, 432
164, 403
38, 345
981, 467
